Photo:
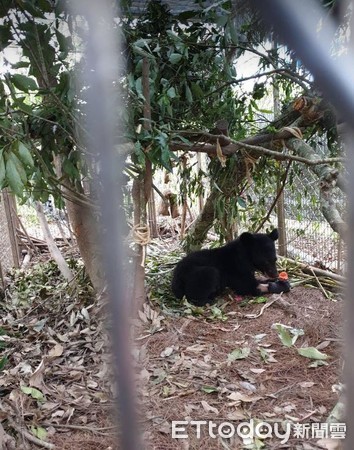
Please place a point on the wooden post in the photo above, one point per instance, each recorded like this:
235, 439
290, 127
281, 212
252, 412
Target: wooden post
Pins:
280, 209
150, 199
282, 250
138, 275
199, 166
184, 203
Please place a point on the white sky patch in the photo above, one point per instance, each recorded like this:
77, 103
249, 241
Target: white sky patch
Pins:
246, 66
10, 55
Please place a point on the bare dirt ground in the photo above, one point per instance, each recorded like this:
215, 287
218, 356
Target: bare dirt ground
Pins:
188, 371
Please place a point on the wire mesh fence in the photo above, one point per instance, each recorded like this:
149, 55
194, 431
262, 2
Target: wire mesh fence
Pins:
308, 236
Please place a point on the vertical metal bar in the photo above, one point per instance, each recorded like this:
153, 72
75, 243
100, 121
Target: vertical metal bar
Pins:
103, 68
297, 22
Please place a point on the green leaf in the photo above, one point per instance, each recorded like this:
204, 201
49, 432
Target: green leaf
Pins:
13, 178
139, 88
33, 392
39, 432
318, 363
284, 335
32, 9
221, 20
70, 169
189, 95
19, 103
217, 313
3, 362
287, 335
20, 65
239, 353
241, 202
185, 15
197, 90
45, 6
209, 389
233, 32
25, 155
175, 58
24, 83
5, 36
142, 52
19, 166
313, 353
165, 158
173, 36
171, 92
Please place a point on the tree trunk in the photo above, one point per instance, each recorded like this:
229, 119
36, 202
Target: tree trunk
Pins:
84, 226
152, 215
201, 226
200, 196
228, 183
138, 294
82, 223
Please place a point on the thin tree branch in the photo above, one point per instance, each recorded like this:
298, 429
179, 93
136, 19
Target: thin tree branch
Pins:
236, 146
283, 181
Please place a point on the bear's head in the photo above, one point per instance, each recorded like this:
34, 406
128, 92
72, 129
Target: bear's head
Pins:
260, 249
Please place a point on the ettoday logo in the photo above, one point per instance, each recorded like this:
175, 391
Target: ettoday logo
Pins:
248, 431
227, 430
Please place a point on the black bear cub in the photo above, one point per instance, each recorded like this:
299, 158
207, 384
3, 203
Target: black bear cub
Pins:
203, 275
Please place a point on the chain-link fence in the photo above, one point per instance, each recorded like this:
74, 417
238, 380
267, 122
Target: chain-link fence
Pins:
309, 237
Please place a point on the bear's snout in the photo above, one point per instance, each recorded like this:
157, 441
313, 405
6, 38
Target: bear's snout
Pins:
272, 273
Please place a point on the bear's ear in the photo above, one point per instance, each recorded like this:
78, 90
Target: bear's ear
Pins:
274, 234
246, 238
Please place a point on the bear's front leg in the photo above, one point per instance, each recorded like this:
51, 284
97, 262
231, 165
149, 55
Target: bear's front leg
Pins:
263, 288
279, 286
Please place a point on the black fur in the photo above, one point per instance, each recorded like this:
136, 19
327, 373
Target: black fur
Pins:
203, 275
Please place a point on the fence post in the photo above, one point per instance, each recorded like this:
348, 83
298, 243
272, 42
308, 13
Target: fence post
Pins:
280, 203
282, 250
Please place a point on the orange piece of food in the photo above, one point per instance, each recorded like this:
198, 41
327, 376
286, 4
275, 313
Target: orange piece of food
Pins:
283, 276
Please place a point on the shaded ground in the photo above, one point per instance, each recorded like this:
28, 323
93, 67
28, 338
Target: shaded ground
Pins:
54, 382
223, 363
188, 370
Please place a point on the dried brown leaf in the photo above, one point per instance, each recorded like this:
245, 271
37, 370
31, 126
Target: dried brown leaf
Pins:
56, 351
36, 379
209, 408
239, 396
330, 444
